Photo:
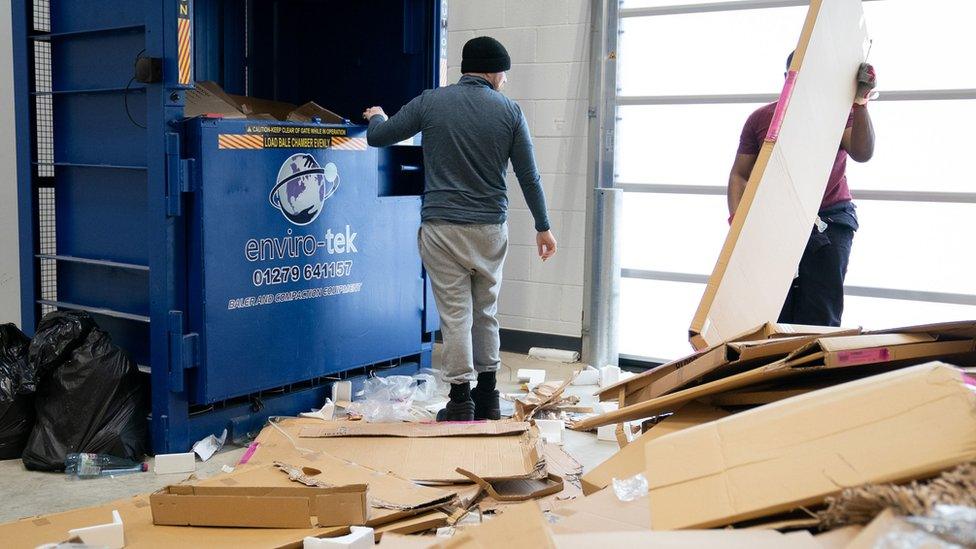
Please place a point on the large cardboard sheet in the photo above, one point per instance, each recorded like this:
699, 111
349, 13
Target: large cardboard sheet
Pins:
774, 220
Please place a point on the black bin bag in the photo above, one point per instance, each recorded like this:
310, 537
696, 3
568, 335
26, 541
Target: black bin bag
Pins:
17, 383
89, 396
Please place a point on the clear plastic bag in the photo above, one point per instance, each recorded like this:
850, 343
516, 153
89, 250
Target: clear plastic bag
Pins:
946, 527
632, 488
396, 398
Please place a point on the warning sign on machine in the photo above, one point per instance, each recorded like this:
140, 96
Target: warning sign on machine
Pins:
291, 137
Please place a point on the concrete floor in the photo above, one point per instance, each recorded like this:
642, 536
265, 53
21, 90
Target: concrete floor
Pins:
26, 493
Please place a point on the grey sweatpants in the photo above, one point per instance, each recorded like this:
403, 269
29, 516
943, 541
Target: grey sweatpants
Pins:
464, 263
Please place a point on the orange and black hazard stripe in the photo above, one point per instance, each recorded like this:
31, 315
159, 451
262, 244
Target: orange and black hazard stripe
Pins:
184, 48
349, 143
239, 141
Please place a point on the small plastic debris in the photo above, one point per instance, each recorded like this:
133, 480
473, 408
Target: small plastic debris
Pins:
632, 488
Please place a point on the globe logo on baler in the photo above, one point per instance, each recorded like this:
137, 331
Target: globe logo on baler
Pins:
302, 188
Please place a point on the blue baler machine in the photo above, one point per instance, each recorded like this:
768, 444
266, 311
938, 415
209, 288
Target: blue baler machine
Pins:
245, 264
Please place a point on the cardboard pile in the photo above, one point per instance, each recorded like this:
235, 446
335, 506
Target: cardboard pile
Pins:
743, 371
209, 99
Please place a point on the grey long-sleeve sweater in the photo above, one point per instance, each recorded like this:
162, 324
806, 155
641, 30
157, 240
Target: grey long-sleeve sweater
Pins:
470, 131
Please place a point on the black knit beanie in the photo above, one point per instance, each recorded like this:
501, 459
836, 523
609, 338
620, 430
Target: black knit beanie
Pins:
484, 54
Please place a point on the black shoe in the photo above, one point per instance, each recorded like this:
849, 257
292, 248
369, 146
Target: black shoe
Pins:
486, 405
457, 410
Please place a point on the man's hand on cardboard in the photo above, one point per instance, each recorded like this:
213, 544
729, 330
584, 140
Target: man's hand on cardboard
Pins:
373, 111
867, 80
546, 243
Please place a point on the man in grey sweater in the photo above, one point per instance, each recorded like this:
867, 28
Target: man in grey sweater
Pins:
470, 132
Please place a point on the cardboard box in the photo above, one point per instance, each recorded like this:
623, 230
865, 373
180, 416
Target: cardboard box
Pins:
821, 355
259, 507
893, 427
776, 215
630, 460
513, 453
886, 524
311, 110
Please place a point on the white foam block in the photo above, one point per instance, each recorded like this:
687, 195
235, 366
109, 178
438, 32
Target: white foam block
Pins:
531, 376
551, 430
342, 393
358, 538
111, 535
555, 355
609, 375
175, 463
589, 376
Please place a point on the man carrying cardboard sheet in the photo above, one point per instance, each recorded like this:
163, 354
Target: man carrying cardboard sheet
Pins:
817, 294
470, 132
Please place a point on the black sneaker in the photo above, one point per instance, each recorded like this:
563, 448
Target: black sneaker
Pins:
457, 410
486, 404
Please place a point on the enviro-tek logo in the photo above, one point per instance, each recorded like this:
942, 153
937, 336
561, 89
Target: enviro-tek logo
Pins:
300, 191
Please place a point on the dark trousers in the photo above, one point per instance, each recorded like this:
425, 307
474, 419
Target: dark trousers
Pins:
817, 296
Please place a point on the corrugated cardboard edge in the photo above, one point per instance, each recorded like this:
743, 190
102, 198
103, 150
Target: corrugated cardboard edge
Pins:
703, 330
413, 430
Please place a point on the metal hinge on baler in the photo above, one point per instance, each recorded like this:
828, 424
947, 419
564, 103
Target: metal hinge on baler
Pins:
183, 351
179, 175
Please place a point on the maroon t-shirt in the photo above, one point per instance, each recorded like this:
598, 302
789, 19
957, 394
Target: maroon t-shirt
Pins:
754, 133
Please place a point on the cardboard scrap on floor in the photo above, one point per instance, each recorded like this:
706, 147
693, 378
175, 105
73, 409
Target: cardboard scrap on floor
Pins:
892, 427
413, 453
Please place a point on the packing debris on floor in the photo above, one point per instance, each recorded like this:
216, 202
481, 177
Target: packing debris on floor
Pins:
788, 434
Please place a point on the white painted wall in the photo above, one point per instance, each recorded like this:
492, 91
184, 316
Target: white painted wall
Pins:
548, 41
9, 259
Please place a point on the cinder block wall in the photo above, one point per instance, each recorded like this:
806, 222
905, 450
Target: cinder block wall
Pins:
549, 44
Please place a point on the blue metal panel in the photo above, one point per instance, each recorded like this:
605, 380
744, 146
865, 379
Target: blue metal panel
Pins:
124, 290
102, 214
85, 16
96, 61
94, 129
26, 202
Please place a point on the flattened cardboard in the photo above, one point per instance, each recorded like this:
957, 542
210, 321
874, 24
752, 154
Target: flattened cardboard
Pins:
311, 110
390, 498
208, 98
731, 357
412, 430
841, 352
751, 346
689, 539
601, 512
141, 533
426, 459
521, 526
776, 215
630, 460
893, 427
254, 107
